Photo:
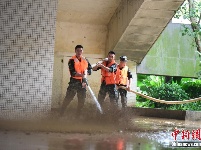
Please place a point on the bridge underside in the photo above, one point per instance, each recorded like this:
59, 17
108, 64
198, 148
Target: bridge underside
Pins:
132, 26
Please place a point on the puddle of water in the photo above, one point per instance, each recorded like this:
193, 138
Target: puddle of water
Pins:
34, 141
143, 133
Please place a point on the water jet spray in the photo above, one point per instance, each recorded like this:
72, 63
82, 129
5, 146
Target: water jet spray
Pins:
95, 99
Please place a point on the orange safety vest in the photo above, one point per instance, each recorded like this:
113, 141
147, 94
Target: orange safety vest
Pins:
121, 76
80, 66
108, 77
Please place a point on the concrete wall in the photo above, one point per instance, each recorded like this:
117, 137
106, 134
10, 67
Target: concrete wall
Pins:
26, 57
69, 34
171, 55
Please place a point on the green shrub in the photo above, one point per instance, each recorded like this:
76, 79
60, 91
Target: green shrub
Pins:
154, 86
192, 87
168, 92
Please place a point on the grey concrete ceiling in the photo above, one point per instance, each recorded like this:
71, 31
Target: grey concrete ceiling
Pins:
145, 26
87, 11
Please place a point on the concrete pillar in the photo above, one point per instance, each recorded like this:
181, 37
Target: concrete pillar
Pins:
57, 81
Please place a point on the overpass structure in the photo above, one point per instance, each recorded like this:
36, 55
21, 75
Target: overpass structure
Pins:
130, 27
37, 36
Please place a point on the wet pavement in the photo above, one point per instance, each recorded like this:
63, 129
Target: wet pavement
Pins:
137, 133
60, 141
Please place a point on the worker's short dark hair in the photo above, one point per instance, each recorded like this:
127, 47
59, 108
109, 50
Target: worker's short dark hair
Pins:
111, 52
78, 46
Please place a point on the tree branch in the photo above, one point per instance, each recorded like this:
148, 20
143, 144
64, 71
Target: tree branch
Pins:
199, 19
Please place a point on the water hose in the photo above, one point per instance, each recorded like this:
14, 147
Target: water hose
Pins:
159, 100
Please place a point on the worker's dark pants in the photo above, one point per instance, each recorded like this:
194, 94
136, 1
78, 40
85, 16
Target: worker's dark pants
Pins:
123, 94
111, 90
75, 86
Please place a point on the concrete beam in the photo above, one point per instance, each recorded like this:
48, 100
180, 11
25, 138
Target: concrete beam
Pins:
136, 25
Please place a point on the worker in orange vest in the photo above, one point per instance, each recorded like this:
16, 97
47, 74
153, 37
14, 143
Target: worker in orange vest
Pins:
108, 81
79, 68
123, 78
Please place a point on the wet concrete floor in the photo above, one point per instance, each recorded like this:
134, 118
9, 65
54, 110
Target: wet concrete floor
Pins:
136, 133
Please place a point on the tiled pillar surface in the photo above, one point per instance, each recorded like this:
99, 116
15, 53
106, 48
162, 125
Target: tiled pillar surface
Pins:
27, 37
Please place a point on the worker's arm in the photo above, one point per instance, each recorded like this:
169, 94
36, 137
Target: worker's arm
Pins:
85, 74
103, 67
96, 67
84, 79
129, 75
89, 68
112, 68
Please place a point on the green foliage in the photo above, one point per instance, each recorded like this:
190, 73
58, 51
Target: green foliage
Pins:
141, 77
192, 12
192, 87
187, 13
149, 80
169, 92
155, 87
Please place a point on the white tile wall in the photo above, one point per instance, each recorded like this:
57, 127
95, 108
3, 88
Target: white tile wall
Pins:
27, 35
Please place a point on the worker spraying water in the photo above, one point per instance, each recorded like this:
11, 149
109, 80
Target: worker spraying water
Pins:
79, 68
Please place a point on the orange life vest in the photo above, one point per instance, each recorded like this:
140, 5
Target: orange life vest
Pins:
80, 66
109, 77
121, 75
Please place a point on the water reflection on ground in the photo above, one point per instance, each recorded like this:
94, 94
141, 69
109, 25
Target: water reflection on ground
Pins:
142, 134
13, 140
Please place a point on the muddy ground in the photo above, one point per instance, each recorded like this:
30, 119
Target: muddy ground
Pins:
111, 132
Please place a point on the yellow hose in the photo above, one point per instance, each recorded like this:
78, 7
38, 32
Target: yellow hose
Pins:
162, 101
